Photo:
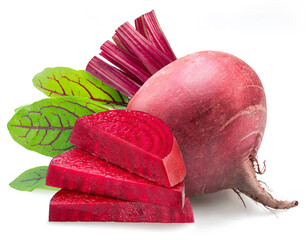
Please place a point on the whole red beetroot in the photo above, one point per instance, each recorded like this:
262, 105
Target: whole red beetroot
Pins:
215, 105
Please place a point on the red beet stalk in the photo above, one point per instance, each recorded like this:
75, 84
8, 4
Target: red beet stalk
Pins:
80, 171
126, 61
133, 140
112, 76
145, 51
74, 206
137, 54
149, 27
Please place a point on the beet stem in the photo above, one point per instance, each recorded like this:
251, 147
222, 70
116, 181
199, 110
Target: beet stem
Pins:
112, 76
149, 27
151, 57
125, 61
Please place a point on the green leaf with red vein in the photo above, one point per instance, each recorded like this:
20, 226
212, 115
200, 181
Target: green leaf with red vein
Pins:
32, 179
45, 126
62, 81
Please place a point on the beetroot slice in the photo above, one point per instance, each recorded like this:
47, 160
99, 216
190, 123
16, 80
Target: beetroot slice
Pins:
80, 171
133, 140
69, 206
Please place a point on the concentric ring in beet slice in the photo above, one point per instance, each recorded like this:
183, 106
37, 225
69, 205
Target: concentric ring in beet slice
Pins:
69, 206
133, 140
78, 170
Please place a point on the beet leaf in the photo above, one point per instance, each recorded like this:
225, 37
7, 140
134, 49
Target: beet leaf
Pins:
45, 126
32, 179
62, 81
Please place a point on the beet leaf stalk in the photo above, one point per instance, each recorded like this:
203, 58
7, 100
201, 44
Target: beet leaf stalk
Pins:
137, 54
149, 27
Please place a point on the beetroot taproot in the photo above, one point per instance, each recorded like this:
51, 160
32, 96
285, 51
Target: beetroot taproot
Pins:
215, 105
78, 170
74, 206
133, 140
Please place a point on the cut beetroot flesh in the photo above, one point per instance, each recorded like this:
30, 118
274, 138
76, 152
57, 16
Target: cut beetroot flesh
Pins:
74, 206
133, 140
80, 171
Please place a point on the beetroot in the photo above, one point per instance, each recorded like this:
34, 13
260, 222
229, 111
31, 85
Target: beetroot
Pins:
74, 206
215, 105
135, 141
78, 170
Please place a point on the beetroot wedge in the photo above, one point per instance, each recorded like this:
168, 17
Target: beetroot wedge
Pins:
133, 140
74, 206
80, 171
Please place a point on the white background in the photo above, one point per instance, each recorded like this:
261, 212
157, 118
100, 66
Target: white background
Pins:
269, 35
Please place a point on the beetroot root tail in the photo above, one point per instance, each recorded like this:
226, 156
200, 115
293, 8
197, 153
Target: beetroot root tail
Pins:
250, 186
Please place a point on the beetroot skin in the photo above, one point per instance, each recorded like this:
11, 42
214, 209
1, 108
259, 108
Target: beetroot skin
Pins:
133, 140
215, 105
74, 206
80, 171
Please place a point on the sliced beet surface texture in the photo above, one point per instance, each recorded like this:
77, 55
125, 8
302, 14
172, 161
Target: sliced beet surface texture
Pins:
133, 140
81, 171
72, 206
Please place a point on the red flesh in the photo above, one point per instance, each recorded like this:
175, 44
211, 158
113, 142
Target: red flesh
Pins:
74, 206
135, 141
78, 170
215, 105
